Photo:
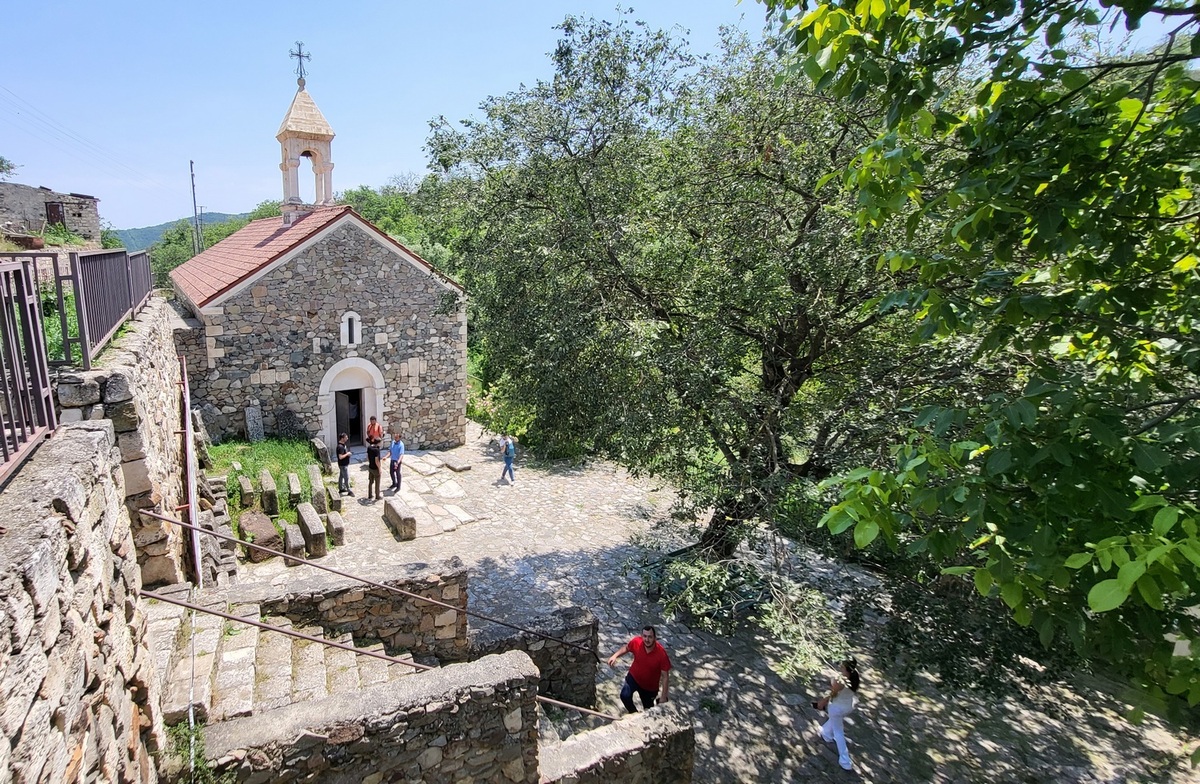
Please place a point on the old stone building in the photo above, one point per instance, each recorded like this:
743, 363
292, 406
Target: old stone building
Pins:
320, 313
30, 210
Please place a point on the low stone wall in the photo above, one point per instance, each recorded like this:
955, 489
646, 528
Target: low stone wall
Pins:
78, 696
466, 722
135, 386
341, 605
654, 747
567, 673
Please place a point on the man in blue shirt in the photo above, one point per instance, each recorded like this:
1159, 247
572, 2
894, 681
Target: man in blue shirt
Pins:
397, 459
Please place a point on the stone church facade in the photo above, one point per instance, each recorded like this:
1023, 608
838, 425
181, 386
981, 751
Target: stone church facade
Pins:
320, 313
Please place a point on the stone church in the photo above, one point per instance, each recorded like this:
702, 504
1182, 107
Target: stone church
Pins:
321, 314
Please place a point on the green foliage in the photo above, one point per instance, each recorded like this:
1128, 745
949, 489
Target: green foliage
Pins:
186, 748
57, 235
52, 323
175, 247
278, 456
391, 209
7, 168
264, 209
654, 277
1061, 186
109, 238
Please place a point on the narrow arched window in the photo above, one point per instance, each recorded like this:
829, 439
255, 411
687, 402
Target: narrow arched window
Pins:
351, 329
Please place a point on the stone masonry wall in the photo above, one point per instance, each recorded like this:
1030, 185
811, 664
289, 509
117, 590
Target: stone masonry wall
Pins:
567, 673
372, 614
471, 722
78, 696
654, 747
272, 344
25, 207
135, 385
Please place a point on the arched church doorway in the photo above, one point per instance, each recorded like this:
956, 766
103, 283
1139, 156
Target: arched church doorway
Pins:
351, 392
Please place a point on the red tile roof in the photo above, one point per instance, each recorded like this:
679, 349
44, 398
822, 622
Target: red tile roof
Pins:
237, 257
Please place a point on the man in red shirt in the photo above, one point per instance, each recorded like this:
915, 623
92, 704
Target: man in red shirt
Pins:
648, 675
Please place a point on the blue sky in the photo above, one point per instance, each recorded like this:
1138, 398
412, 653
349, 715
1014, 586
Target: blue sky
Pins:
112, 99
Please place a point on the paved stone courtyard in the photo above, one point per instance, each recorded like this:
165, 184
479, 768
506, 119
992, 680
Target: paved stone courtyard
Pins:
563, 535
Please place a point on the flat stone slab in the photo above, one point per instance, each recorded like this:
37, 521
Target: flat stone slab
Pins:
450, 489
426, 524
453, 462
421, 465
461, 515
415, 484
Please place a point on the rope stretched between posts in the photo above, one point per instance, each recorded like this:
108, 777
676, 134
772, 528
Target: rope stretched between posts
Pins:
342, 646
372, 583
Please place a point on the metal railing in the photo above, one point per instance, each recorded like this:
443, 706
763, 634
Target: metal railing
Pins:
109, 286
26, 403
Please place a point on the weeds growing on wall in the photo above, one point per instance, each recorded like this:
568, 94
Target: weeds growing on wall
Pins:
186, 748
57, 235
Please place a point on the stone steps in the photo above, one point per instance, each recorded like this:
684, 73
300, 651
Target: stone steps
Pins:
242, 670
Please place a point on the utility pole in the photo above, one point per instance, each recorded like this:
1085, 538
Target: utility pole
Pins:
196, 238
201, 228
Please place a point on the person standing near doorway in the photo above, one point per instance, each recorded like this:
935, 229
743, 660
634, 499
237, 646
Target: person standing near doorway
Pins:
343, 458
373, 470
648, 675
397, 455
374, 431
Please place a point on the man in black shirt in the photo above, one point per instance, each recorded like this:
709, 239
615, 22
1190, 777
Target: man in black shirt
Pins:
373, 470
343, 458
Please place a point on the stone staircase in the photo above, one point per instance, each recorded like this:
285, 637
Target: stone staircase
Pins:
241, 670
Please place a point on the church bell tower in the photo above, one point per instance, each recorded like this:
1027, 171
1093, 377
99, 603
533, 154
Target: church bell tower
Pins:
304, 134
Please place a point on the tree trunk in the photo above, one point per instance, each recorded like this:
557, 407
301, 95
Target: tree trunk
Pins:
726, 528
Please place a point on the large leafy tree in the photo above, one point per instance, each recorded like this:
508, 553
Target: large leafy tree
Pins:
1062, 187
656, 278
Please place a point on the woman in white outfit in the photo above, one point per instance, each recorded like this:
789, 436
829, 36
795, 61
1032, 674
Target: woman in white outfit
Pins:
843, 696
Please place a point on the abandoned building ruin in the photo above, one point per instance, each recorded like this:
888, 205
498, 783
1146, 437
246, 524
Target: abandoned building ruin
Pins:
319, 314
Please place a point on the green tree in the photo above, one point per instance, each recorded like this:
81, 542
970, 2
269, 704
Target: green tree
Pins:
7, 168
1063, 189
655, 278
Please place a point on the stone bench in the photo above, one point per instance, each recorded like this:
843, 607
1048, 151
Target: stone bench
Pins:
320, 493
293, 544
293, 483
249, 494
400, 519
337, 529
270, 498
312, 529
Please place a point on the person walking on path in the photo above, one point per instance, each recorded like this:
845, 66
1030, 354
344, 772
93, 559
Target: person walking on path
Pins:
343, 458
397, 454
373, 470
509, 449
648, 675
374, 431
843, 696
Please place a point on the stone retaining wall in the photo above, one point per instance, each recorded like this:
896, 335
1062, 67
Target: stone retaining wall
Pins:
340, 605
567, 673
78, 696
466, 722
135, 386
654, 747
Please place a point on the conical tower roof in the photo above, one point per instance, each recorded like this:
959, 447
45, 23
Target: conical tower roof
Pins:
304, 120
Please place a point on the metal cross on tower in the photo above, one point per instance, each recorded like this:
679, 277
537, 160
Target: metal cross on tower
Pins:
300, 56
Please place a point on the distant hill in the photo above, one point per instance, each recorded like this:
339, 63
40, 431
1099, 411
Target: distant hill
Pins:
140, 239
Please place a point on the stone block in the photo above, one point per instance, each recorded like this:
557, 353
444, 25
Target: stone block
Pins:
293, 543
137, 477
77, 395
269, 497
400, 519
133, 445
319, 495
256, 527
293, 483
337, 529
248, 493
124, 415
118, 388
322, 453
312, 529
